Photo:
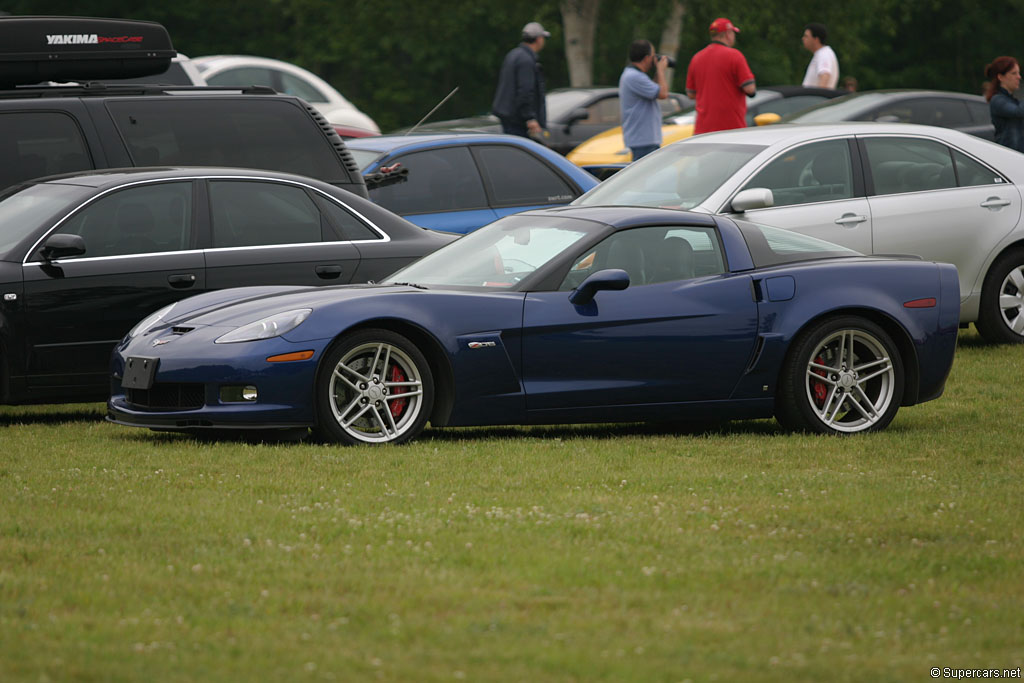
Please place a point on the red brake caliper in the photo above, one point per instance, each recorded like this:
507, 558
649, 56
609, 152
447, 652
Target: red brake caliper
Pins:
398, 405
820, 390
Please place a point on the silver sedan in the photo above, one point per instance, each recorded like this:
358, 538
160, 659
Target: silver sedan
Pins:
875, 187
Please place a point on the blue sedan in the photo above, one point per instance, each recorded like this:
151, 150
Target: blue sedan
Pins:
602, 314
458, 182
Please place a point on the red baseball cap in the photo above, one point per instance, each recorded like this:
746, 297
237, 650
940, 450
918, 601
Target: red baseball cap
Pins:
722, 24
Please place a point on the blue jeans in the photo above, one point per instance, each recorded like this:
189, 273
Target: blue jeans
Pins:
642, 150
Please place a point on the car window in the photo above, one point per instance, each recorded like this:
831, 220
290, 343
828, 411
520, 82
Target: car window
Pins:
163, 131
347, 223
144, 219
979, 111
652, 255
517, 178
970, 172
605, 111
670, 105
300, 87
929, 111
38, 144
788, 105
251, 213
773, 246
242, 77
817, 172
909, 165
24, 209
441, 179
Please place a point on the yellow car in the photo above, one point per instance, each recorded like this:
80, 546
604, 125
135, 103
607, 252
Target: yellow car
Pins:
767, 106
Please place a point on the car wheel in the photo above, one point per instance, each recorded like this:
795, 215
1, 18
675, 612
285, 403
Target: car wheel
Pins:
843, 375
374, 386
1001, 317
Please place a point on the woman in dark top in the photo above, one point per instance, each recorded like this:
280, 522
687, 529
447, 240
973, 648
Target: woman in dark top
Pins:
1007, 111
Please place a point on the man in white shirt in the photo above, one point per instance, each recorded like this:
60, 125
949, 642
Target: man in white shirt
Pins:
823, 71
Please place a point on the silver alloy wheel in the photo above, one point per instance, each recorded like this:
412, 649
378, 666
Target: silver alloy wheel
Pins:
376, 392
1011, 300
850, 381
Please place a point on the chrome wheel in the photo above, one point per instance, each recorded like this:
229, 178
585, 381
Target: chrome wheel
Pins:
1011, 300
843, 375
375, 388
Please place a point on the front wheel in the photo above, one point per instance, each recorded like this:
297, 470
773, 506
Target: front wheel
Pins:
841, 376
1001, 317
374, 386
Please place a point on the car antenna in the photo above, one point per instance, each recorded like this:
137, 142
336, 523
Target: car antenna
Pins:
436, 107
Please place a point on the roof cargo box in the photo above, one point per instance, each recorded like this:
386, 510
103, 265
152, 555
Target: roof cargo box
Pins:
36, 49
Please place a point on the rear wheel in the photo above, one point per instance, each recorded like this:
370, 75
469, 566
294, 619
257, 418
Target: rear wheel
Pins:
375, 386
842, 376
1001, 316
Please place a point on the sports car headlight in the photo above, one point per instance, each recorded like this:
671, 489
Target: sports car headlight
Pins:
273, 326
150, 321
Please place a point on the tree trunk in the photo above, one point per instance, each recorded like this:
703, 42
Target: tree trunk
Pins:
579, 21
670, 36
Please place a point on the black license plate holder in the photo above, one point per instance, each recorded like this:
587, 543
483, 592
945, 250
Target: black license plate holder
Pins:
139, 372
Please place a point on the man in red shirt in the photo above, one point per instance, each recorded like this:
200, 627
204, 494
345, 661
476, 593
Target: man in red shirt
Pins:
719, 79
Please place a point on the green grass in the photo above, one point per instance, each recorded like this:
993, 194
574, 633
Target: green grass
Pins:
602, 553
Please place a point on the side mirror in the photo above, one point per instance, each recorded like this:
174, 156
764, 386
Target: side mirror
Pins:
62, 245
754, 198
766, 119
611, 279
577, 114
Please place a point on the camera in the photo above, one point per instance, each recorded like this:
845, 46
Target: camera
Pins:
671, 62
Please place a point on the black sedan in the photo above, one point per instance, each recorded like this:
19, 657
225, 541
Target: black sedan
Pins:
84, 257
960, 111
574, 115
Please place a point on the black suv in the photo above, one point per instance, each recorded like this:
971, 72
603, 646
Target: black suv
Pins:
48, 130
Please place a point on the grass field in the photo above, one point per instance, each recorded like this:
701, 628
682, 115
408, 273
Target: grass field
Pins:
604, 553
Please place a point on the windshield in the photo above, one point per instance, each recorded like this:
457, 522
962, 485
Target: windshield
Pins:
364, 157
679, 176
845, 108
26, 208
498, 255
561, 102
773, 246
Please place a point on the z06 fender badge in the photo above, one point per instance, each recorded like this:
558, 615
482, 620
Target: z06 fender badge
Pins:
159, 342
481, 345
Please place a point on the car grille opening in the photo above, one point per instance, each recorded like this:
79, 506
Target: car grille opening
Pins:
168, 396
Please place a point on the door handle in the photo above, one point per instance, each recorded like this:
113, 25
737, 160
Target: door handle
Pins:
848, 219
995, 203
329, 272
182, 280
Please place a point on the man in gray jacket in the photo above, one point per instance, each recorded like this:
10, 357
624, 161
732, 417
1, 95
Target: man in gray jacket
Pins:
519, 99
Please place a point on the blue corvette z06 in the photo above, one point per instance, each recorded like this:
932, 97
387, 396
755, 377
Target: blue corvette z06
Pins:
564, 315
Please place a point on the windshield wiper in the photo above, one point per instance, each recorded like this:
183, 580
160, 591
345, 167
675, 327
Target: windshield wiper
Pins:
407, 284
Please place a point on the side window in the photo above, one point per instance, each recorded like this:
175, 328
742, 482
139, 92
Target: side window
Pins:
909, 165
980, 112
930, 111
300, 87
517, 178
667, 106
652, 255
788, 105
817, 172
347, 223
35, 144
139, 220
242, 77
970, 172
252, 213
442, 179
604, 111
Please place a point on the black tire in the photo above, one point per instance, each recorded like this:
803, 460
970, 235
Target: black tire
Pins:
360, 388
849, 397
1001, 312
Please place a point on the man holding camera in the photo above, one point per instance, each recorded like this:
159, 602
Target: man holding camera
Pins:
638, 98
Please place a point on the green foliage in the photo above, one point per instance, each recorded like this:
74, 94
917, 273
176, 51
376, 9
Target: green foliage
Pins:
396, 60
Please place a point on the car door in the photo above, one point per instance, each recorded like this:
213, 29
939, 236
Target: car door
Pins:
443, 190
683, 330
518, 180
264, 232
139, 256
818, 190
934, 201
